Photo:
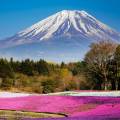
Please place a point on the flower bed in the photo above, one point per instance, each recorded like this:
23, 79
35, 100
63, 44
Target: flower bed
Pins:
72, 106
69, 105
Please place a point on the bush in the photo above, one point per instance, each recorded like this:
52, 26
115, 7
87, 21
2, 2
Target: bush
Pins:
7, 83
49, 85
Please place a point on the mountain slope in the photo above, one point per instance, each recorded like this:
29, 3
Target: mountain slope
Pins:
65, 29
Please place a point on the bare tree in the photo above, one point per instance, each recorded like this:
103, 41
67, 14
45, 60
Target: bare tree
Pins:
98, 57
117, 61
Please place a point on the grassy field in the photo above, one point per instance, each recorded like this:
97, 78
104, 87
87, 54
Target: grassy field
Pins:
18, 115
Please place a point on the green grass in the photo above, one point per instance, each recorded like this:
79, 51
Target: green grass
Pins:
17, 115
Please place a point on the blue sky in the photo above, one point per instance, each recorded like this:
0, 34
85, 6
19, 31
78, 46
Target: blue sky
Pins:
16, 15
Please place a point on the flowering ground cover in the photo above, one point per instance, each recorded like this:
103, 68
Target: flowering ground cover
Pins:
78, 118
74, 107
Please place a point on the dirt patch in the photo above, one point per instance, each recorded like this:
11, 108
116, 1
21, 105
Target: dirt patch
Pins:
81, 108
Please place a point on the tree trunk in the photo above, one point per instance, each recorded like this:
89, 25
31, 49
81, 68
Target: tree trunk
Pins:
113, 83
99, 87
105, 87
105, 82
118, 83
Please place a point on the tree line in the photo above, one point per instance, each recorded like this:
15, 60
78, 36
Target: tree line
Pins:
99, 70
40, 76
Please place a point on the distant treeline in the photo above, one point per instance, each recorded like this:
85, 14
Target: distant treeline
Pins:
100, 70
41, 76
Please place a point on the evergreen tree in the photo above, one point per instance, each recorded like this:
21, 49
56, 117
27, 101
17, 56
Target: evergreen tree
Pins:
5, 69
42, 67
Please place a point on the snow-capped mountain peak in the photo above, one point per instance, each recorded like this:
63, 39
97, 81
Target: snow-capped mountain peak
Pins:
64, 36
68, 22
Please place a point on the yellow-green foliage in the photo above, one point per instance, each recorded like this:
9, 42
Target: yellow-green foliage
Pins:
39, 77
18, 115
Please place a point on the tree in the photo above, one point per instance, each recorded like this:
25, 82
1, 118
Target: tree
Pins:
5, 69
117, 61
63, 65
49, 85
26, 67
77, 68
6, 73
7, 83
42, 67
97, 59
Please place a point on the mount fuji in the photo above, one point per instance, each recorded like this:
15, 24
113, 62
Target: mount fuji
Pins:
64, 36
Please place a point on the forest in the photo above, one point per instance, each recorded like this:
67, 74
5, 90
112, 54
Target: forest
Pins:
99, 70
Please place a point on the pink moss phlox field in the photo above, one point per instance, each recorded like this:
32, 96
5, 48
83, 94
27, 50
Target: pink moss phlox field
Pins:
69, 105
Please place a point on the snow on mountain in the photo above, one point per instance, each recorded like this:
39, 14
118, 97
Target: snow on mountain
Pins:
68, 23
60, 32
65, 24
